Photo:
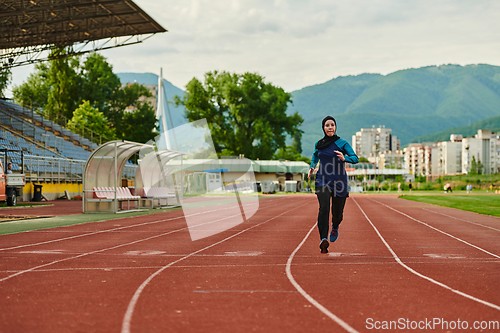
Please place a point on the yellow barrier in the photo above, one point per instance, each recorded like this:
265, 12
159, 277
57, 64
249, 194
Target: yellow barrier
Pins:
53, 190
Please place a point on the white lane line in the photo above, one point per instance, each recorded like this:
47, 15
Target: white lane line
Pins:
456, 218
434, 228
364, 263
113, 229
127, 319
106, 249
89, 234
311, 300
243, 291
491, 305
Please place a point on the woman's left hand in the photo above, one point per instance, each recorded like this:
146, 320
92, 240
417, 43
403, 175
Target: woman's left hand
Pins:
340, 155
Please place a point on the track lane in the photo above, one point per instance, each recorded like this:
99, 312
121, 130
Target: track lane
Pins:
495, 222
241, 284
118, 280
50, 253
128, 242
89, 229
126, 326
398, 260
467, 233
383, 289
308, 297
475, 270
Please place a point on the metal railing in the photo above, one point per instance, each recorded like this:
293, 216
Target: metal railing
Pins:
30, 123
59, 170
49, 121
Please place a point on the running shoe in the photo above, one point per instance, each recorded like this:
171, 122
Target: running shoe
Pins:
324, 245
334, 235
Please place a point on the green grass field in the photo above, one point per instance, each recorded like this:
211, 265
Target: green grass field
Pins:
10, 227
487, 204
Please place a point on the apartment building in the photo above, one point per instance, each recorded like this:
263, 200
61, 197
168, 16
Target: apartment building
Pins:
421, 158
454, 156
450, 156
411, 158
485, 148
371, 141
390, 160
433, 163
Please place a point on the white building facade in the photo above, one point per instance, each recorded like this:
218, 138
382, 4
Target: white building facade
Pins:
455, 156
371, 141
450, 157
421, 158
411, 159
485, 148
390, 160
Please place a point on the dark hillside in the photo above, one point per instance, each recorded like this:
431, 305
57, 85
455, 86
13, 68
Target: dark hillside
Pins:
413, 102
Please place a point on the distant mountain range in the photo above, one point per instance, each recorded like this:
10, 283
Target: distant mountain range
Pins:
177, 113
492, 124
414, 102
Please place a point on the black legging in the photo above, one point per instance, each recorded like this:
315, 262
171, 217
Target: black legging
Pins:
324, 194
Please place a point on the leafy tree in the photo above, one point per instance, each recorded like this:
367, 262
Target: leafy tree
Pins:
290, 153
363, 159
296, 143
245, 114
131, 95
53, 89
473, 166
58, 87
63, 95
420, 179
100, 84
130, 129
33, 93
5, 75
305, 159
87, 118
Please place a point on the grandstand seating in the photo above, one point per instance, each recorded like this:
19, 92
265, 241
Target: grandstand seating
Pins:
41, 124
19, 119
49, 151
44, 153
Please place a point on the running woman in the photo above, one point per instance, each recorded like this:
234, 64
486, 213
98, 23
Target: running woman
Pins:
332, 152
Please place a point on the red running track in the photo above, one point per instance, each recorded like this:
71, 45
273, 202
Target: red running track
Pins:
47, 208
396, 262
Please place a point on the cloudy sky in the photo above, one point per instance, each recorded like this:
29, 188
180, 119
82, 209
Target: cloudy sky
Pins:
295, 43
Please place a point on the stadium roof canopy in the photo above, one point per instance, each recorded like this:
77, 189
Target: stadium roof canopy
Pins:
27, 27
